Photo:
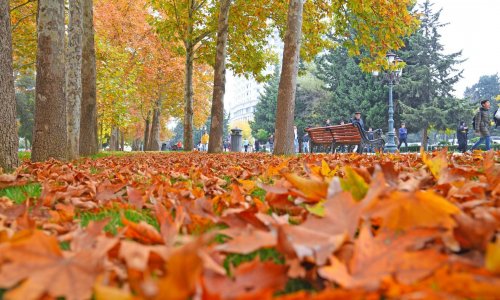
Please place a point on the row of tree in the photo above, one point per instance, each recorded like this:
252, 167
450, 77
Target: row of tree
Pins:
142, 40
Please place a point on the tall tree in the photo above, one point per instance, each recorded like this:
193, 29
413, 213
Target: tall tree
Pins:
288, 82
488, 87
50, 136
217, 119
74, 76
8, 128
425, 90
350, 89
88, 120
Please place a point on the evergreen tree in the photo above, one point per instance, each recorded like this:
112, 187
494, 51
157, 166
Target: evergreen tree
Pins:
425, 90
265, 110
350, 90
488, 87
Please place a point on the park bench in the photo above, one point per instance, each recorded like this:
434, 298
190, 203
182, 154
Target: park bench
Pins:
344, 135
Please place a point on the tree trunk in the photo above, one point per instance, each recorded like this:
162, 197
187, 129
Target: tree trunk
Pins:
154, 138
146, 132
122, 140
88, 120
50, 132
8, 127
136, 145
284, 137
188, 100
114, 139
217, 123
74, 77
425, 137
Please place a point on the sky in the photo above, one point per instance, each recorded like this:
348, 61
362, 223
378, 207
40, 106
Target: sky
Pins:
474, 28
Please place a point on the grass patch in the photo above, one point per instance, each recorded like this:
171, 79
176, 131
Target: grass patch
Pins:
19, 194
115, 221
259, 193
294, 285
265, 254
24, 155
103, 154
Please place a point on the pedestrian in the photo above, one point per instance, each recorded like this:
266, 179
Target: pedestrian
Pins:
327, 123
257, 146
403, 135
305, 143
204, 141
226, 145
357, 119
482, 125
462, 131
370, 135
245, 144
271, 143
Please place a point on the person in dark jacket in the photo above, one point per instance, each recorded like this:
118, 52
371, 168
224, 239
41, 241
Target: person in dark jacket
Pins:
357, 119
462, 131
403, 135
482, 125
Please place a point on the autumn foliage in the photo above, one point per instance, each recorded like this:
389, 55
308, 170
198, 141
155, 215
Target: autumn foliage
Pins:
254, 226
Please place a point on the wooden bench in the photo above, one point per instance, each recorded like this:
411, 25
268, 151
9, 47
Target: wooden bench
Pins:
344, 135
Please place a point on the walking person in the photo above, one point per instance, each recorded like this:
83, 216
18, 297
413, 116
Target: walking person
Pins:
462, 131
482, 125
245, 144
305, 143
257, 146
357, 119
403, 135
295, 140
271, 143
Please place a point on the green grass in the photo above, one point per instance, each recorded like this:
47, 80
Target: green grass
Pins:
19, 194
265, 254
115, 218
294, 285
24, 155
259, 193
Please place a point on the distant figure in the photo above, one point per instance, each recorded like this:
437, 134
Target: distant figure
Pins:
257, 146
245, 144
357, 119
179, 145
403, 135
341, 122
370, 135
226, 145
271, 143
204, 142
327, 123
482, 125
462, 131
305, 143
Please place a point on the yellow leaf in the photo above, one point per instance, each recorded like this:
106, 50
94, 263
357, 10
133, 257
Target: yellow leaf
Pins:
102, 292
354, 183
492, 261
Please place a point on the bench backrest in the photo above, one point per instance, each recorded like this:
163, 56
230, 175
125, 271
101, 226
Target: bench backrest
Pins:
320, 135
346, 134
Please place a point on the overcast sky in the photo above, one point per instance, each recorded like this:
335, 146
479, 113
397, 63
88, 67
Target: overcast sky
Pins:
474, 28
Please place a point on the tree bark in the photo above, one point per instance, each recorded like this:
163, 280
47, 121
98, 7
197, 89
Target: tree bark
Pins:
114, 140
425, 137
146, 132
217, 123
8, 127
284, 137
188, 100
74, 77
88, 120
136, 145
122, 140
50, 132
154, 139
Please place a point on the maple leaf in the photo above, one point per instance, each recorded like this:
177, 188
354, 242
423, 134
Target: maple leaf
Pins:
492, 260
387, 254
354, 183
405, 210
310, 189
252, 280
438, 164
247, 240
135, 197
36, 258
142, 231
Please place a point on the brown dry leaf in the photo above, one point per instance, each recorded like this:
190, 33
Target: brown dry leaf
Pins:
310, 189
135, 197
377, 257
37, 259
142, 231
405, 210
247, 240
137, 255
253, 280
184, 270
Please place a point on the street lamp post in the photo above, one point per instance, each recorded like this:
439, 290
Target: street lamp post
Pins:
392, 76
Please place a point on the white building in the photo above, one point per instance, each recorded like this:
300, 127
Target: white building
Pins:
242, 94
